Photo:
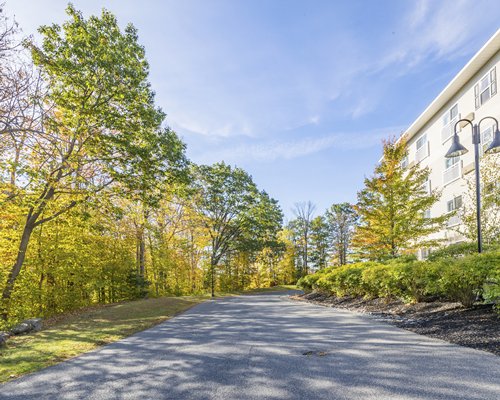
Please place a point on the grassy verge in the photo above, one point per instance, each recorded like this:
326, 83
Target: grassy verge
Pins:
70, 335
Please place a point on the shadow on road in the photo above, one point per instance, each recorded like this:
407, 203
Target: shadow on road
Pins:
266, 346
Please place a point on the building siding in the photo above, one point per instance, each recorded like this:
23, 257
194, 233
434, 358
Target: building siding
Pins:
434, 156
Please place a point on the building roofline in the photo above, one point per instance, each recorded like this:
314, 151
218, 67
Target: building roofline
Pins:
490, 48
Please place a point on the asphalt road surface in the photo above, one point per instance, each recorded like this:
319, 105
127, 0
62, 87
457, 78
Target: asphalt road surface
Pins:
269, 347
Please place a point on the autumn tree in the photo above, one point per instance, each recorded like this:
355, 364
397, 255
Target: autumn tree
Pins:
99, 122
341, 220
392, 207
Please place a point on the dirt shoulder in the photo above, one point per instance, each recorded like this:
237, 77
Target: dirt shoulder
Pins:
477, 327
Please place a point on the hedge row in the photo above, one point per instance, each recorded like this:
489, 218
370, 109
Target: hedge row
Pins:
463, 279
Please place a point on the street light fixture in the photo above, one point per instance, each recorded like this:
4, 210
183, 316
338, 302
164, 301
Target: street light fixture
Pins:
457, 149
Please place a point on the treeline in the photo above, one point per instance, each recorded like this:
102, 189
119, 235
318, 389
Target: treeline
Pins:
392, 217
388, 220
368, 249
98, 202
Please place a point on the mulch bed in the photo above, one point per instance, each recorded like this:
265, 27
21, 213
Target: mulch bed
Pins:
477, 327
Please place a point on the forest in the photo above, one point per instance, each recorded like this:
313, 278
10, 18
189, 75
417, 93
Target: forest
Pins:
99, 202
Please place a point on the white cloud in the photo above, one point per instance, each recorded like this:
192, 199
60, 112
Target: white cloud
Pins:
294, 148
440, 29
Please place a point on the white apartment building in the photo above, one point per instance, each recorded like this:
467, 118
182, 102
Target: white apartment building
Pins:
472, 94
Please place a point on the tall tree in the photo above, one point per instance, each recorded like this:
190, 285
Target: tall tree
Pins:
302, 226
319, 242
224, 197
392, 207
99, 121
341, 219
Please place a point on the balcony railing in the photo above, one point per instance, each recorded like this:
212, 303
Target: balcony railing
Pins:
452, 173
453, 220
448, 130
422, 152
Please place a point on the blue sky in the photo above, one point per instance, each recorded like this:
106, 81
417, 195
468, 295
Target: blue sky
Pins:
298, 93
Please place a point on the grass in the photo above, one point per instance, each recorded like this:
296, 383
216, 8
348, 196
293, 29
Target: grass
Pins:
73, 334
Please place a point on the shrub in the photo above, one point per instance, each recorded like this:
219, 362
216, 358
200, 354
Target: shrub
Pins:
308, 282
492, 286
461, 279
416, 281
379, 281
466, 279
345, 280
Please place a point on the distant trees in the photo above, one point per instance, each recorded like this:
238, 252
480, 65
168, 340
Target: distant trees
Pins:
392, 208
320, 242
341, 220
391, 218
301, 226
323, 240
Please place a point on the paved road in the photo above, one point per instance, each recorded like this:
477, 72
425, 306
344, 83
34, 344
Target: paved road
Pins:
253, 347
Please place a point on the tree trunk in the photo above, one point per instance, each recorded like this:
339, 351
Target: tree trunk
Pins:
141, 252
212, 276
16, 268
193, 266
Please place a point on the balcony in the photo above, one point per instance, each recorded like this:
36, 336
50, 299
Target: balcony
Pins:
448, 130
422, 152
452, 173
453, 221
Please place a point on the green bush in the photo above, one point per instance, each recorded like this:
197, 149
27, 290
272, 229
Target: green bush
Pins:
379, 281
416, 281
345, 280
492, 286
467, 278
462, 279
308, 282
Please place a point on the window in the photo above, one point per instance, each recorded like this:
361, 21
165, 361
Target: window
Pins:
450, 162
486, 137
492, 191
424, 254
451, 114
450, 117
426, 186
453, 169
422, 148
404, 162
486, 88
454, 204
422, 140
